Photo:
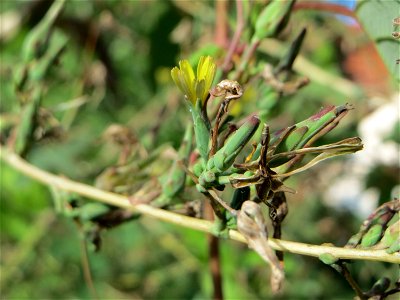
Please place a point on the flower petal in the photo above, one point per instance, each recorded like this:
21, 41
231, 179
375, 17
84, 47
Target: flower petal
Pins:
200, 89
176, 77
206, 71
200, 67
189, 79
195, 87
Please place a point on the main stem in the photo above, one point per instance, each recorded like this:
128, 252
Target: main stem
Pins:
214, 258
213, 242
16, 162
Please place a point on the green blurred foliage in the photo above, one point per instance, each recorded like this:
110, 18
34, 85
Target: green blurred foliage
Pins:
117, 61
377, 17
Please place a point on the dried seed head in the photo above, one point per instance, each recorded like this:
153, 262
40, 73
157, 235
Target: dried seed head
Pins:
229, 89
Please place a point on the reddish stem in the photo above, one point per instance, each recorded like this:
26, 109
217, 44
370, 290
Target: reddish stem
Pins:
236, 37
221, 32
221, 38
324, 6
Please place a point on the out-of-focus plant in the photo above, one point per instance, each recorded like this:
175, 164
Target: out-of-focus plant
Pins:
227, 154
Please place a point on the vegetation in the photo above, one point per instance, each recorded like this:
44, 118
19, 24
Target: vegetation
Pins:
131, 129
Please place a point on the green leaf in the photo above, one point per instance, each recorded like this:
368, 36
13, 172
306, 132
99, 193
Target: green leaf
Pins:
376, 17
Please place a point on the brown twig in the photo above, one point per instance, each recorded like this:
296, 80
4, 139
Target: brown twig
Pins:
215, 266
342, 269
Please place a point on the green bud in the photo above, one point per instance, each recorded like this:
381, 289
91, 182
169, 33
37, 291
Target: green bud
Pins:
286, 62
206, 178
328, 258
225, 156
272, 19
37, 41
354, 240
91, 211
395, 247
210, 164
372, 236
198, 169
200, 188
391, 235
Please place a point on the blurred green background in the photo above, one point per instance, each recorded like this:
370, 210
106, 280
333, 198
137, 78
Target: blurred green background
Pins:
116, 70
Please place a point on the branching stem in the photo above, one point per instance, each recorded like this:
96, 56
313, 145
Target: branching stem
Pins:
90, 192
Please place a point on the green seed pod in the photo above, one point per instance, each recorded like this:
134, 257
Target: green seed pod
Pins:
286, 62
37, 41
305, 130
395, 247
304, 133
391, 235
292, 140
272, 19
372, 236
225, 156
200, 188
198, 169
42, 66
328, 258
93, 210
327, 118
210, 164
206, 178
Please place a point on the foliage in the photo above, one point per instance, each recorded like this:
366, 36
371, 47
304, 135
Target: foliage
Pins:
377, 29
87, 93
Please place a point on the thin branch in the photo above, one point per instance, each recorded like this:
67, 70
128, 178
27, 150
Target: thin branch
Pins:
87, 273
328, 7
221, 23
346, 274
246, 57
235, 39
201, 225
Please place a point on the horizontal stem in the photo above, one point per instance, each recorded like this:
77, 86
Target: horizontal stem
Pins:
201, 225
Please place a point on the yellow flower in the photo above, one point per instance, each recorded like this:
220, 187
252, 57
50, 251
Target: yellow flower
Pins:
195, 87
